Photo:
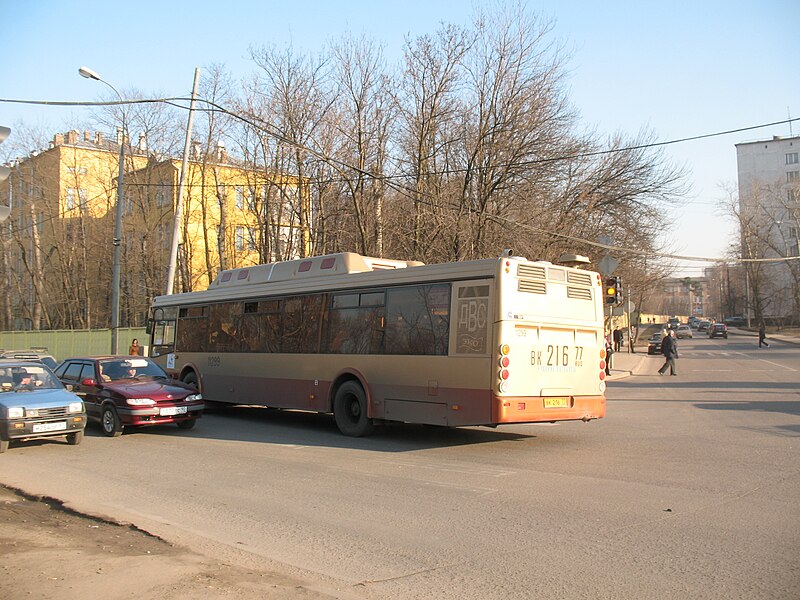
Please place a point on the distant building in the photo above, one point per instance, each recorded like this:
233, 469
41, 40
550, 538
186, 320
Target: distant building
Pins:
684, 296
769, 212
58, 242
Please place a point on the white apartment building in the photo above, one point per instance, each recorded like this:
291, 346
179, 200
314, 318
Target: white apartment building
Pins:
769, 205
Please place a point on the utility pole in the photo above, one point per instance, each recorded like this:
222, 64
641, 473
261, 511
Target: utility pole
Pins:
176, 224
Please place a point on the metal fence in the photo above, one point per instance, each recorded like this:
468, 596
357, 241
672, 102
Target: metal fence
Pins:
63, 343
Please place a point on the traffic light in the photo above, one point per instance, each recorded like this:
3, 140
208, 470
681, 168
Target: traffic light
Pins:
614, 291
4, 173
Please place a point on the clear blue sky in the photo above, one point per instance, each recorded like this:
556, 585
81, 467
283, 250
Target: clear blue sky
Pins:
678, 68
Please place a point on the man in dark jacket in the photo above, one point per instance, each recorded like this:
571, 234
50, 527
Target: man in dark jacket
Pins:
669, 348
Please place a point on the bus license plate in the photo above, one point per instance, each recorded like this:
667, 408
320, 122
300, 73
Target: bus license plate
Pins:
173, 410
41, 427
556, 402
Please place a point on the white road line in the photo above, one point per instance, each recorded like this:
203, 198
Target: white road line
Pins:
769, 362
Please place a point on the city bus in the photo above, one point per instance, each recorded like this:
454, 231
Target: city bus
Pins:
475, 343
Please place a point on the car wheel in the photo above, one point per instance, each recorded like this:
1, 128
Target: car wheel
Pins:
109, 420
3, 446
73, 439
188, 424
350, 410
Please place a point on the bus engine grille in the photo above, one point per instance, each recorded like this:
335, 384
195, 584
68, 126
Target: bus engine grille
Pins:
530, 271
579, 278
579, 293
532, 287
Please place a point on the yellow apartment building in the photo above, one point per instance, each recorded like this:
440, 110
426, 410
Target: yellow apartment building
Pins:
233, 216
58, 241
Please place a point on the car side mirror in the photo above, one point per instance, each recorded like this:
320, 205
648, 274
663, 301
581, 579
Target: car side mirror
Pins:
88, 382
70, 387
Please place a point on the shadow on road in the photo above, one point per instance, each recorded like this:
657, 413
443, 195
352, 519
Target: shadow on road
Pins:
265, 425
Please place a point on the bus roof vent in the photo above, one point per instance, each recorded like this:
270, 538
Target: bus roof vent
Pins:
303, 268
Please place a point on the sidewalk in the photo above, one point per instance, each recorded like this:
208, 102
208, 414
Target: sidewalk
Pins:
624, 364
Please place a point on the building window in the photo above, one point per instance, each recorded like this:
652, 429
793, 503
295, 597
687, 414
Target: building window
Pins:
239, 197
792, 176
239, 238
69, 200
791, 158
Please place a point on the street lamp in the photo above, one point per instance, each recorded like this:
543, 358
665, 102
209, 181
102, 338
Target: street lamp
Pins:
90, 74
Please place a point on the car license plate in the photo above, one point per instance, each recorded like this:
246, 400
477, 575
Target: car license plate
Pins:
173, 410
41, 427
556, 402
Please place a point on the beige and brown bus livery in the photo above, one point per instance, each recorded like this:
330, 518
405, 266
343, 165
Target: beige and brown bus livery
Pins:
485, 342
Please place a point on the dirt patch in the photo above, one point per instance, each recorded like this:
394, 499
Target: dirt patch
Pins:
49, 552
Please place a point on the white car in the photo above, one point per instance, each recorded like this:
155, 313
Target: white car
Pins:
684, 331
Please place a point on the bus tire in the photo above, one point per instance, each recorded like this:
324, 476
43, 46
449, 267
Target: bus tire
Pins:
350, 410
190, 378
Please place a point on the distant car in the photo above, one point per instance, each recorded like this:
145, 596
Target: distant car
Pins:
736, 321
673, 323
34, 404
121, 391
684, 331
30, 355
718, 330
703, 325
654, 344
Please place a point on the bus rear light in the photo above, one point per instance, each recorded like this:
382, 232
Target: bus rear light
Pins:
504, 374
602, 353
602, 375
504, 361
602, 365
505, 349
503, 387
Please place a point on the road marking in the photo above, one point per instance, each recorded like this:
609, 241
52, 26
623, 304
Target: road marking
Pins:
769, 362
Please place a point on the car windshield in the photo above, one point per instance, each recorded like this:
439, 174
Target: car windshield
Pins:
127, 369
27, 378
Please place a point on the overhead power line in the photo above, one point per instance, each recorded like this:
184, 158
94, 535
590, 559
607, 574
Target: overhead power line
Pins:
275, 132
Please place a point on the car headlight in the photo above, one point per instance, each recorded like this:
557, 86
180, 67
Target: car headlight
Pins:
16, 413
75, 407
194, 397
140, 401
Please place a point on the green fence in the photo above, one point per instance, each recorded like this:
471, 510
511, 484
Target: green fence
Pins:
63, 343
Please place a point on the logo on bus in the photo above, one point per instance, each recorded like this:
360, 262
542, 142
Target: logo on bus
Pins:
472, 325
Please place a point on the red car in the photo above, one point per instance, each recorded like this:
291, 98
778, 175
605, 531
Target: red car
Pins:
121, 391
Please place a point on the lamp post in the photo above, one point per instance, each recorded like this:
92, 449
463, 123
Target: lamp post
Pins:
90, 74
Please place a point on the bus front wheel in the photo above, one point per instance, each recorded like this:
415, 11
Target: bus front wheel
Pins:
190, 378
350, 410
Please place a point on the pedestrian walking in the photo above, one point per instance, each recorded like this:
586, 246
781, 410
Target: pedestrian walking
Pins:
135, 349
669, 348
609, 353
762, 335
618, 339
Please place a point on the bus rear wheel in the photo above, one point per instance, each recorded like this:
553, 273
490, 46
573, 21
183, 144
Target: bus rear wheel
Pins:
350, 410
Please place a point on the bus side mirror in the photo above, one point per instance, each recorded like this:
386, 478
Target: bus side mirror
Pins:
149, 326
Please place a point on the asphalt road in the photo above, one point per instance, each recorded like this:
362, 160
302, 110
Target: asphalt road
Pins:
688, 489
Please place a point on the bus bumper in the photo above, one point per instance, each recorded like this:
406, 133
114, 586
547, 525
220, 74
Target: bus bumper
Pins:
536, 409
